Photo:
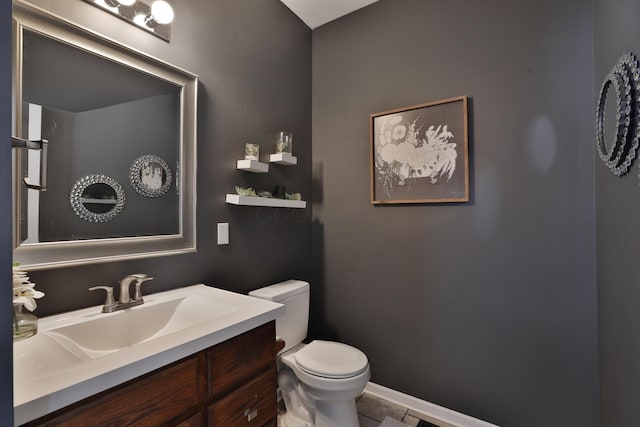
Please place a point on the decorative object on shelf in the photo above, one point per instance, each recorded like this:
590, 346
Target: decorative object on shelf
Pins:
249, 192
155, 19
251, 151
622, 150
97, 198
24, 296
150, 176
277, 199
284, 142
279, 191
294, 196
419, 154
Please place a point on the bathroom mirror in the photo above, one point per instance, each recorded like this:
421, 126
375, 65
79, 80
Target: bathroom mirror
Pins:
104, 108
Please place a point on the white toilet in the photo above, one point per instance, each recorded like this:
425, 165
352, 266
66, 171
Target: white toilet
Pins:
319, 381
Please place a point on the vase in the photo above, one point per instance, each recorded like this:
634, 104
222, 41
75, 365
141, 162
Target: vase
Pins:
25, 324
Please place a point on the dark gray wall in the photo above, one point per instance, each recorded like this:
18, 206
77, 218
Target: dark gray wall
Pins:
617, 208
6, 355
254, 63
488, 307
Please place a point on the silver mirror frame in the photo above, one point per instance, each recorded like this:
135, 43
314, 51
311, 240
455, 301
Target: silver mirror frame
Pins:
39, 256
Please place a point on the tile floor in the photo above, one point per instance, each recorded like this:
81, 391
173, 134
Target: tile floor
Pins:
372, 411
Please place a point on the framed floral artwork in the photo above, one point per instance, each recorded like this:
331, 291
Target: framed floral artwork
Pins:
419, 154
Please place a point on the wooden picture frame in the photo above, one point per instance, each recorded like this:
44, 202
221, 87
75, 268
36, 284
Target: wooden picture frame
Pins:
420, 154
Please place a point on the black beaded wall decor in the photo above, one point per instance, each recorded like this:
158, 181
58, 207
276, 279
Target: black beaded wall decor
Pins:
625, 80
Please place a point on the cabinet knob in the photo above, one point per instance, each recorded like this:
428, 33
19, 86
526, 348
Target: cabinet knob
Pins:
251, 413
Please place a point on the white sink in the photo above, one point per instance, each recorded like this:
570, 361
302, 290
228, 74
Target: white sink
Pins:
103, 334
81, 353
50, 358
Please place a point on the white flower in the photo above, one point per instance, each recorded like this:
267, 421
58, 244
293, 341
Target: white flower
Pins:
385, 138
394, 120
24, 291
399, 132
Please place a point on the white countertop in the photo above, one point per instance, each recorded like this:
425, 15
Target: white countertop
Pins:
51, 372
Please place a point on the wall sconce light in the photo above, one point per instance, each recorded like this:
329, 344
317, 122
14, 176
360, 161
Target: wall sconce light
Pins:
155, 19
116, 3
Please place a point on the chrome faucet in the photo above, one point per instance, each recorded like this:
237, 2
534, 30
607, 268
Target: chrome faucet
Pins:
110, 303
125, 285
124, 299
140, 279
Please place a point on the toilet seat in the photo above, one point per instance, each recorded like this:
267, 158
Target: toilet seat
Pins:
331, 360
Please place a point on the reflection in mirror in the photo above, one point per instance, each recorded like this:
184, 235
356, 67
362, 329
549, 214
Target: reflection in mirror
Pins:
102, 106
97, 198
150, 176
96, 118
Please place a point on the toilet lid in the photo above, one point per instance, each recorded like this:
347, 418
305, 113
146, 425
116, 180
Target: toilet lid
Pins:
331, 359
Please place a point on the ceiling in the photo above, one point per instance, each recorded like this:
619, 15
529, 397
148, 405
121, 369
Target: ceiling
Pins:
315, 13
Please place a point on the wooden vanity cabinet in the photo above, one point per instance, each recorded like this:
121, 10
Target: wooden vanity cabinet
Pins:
230, 384
242, 380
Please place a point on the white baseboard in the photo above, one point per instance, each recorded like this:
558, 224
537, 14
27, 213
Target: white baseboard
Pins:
423, 407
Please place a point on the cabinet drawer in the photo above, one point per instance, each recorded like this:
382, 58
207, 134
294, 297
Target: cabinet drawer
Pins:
150, 400
251, 405
193, 421
240, 359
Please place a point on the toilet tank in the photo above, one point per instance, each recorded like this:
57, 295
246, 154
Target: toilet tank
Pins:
294, 294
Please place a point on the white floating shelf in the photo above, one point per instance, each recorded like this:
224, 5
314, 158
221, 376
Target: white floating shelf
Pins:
236, 199
252, 166
283, 159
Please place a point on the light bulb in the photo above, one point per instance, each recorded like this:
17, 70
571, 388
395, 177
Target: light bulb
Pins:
139, 19
126, 2
161, 12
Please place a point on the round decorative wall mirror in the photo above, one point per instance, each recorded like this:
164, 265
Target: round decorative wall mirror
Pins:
97, 198
618, 141
150, 176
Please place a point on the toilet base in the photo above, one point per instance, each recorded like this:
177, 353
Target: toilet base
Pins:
333, 414
303, 410
336, 414
288, 420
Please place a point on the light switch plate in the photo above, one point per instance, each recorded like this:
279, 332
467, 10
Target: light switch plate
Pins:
223, 233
